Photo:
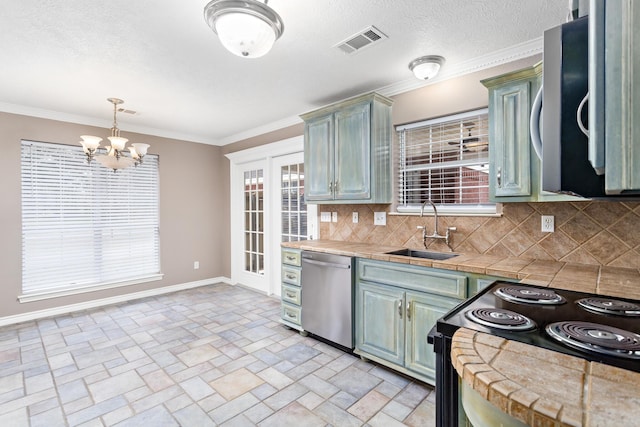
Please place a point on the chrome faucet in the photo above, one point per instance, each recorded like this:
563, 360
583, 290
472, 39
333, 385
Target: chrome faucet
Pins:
435, 212
435, 235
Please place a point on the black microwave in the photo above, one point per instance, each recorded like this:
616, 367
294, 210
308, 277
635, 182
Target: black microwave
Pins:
566, 166
569, 111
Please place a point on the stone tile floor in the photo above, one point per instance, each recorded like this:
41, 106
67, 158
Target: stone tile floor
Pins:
214, 355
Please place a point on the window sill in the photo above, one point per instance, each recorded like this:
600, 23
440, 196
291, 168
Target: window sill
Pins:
39, 296
486, 211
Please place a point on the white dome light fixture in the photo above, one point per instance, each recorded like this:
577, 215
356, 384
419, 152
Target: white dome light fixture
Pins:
246, 28
426, 67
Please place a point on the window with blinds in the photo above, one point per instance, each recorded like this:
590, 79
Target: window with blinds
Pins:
84, 226
445, 160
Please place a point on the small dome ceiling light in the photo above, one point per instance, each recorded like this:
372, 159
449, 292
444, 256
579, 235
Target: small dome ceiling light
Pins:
247, 28
426, 67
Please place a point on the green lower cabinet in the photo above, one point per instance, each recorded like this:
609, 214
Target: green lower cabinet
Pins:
380, 322
290, 309
423, 310
392, 326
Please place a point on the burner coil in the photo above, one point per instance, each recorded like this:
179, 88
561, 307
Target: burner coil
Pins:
602, 339
529, 295
500, 318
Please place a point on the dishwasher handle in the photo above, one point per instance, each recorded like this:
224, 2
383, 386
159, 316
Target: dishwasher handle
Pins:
326, 264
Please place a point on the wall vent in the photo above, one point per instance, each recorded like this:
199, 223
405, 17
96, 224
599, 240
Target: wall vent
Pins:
360, 40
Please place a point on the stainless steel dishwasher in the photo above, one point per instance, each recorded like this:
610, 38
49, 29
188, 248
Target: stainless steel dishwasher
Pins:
327, 296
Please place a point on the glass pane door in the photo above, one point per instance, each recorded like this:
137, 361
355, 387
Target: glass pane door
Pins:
293, 207
254, 221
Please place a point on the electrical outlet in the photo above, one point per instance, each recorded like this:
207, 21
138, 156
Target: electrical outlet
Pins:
325, 216
196, 265
334, 216
547, 224
379, 218
354, 217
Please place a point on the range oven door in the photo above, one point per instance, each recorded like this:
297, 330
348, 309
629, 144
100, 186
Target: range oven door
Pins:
448, 407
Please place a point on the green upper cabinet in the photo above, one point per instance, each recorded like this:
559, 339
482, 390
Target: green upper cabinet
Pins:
510, 156
352, 160
622, 100
318, 137
347, 151
514, 167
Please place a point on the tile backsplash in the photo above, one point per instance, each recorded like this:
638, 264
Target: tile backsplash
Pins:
590, 232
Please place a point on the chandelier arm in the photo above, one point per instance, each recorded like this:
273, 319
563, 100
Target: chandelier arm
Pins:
115, 158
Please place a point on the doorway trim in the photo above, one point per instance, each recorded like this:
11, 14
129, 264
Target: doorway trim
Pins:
262, 155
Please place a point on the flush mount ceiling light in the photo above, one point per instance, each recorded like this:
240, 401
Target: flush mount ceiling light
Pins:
114, 157
426, 67
246, 28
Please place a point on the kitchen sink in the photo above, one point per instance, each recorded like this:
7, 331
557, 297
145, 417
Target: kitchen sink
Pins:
423, 254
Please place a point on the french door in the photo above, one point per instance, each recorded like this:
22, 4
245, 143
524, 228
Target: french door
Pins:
293, 220
249, 210
267, 208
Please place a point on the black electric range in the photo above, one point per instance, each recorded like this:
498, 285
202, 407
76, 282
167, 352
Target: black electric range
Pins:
593, 327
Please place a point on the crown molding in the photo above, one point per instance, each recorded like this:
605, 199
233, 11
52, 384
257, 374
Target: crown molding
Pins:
449, 71
92, 121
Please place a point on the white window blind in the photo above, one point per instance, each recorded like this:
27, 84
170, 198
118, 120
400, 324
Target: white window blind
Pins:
445, 160
85, 226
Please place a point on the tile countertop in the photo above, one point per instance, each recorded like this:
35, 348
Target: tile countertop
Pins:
603, 280
542, 387
537, 386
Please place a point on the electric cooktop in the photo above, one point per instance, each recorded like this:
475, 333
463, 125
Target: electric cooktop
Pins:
593, 327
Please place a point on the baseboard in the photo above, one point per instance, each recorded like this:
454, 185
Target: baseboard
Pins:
56, 311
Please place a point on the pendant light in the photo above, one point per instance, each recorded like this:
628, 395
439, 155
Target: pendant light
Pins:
426, 67
246, 28
114, 157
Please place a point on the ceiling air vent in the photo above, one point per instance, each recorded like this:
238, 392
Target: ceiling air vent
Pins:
362, 39
124, 110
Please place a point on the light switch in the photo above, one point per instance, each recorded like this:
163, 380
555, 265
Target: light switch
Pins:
354, 217
325, 216
379, 218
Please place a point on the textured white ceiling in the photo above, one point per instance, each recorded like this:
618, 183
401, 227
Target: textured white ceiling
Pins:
62, 58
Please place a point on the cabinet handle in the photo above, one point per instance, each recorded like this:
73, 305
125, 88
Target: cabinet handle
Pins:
291, 276
331, 187
336, 186
409, 310
499, 177
290, 258
290, 295
400, 308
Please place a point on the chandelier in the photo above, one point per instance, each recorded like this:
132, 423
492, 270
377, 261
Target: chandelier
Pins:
114, 157
246, 28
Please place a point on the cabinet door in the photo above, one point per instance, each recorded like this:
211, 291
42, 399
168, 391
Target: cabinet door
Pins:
380, 321
622, 99
318, 158
510, 144
422, 312
352, 152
